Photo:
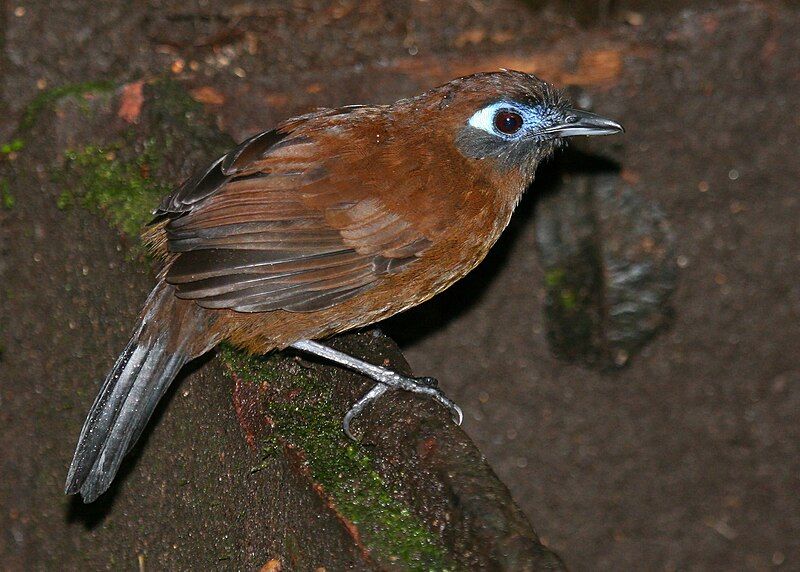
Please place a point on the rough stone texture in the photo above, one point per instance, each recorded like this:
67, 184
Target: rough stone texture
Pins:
609, 260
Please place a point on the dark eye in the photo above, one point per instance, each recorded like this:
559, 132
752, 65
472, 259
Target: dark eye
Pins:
508, 122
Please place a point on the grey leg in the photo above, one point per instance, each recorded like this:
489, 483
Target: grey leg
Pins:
385, 378
372, 395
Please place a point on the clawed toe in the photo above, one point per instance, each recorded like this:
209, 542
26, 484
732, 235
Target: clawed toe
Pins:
346, 425
455, 410
385, 377
372, 395
422, 388
430, 386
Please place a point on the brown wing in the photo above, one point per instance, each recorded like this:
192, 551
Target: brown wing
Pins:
271, 226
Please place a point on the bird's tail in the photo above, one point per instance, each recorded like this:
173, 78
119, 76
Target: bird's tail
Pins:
170, 333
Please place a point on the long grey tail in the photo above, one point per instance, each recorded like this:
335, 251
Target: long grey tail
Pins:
166, 338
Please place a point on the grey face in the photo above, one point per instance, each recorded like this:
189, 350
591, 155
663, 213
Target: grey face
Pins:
519, 135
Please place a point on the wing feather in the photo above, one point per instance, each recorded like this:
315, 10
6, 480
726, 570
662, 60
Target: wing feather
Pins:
272, 226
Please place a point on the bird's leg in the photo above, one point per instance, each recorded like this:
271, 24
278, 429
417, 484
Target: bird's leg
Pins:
385, 377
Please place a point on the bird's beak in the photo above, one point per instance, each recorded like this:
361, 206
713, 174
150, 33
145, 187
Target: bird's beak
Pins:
579, 122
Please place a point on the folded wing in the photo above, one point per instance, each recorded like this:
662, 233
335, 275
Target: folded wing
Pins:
273, 225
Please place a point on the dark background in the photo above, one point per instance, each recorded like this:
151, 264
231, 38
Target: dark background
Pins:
688, 458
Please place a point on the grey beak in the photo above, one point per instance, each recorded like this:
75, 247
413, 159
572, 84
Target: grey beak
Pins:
579, 122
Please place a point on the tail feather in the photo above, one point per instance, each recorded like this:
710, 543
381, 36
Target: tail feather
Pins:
131, 391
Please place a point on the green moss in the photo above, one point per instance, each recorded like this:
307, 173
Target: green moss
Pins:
121, 190
568, 299
13, 146
307, 422
7, 200
50, 96
124, 180
555, 280
554, 277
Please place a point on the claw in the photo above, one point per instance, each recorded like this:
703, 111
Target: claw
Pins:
455, 410
376, 392
372, 395
346, 425
458, 415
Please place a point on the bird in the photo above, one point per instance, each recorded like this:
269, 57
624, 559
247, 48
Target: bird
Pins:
331, 221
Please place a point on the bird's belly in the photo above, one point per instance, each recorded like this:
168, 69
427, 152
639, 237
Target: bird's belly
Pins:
446, 262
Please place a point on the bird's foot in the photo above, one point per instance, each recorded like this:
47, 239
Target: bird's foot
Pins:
385, 377
420, 385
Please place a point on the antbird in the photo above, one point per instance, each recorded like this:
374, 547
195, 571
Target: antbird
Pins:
331, 221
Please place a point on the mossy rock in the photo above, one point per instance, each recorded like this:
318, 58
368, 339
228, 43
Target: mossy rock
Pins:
391, 508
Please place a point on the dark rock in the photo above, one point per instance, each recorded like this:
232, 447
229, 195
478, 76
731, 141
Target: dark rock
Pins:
609, 265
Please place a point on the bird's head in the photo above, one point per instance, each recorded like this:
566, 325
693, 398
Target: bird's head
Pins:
512, 119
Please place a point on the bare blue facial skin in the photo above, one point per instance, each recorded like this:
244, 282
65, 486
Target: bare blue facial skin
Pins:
535, 119
522, 134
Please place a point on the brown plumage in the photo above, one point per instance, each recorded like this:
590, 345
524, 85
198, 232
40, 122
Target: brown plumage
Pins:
331, 221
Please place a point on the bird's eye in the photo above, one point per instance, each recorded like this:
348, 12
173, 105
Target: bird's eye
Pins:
508, 122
